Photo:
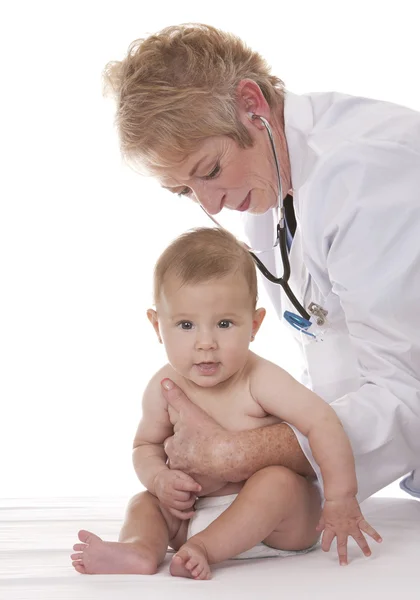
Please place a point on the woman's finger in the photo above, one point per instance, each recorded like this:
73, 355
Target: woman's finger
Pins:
174, 395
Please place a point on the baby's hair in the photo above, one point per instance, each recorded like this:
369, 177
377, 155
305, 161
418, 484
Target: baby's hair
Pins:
202, 255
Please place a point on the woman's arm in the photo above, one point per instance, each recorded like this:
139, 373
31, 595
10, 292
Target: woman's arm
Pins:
200, 446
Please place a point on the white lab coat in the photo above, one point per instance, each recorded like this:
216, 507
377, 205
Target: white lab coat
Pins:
356, 252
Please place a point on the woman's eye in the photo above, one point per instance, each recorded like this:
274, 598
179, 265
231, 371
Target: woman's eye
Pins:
186, 325
214, 173
225, 324
187, 192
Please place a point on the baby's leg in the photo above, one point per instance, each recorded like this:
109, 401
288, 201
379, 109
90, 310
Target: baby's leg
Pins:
142, 545
275, 506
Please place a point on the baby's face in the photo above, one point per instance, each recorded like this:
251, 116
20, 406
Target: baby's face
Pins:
206, 328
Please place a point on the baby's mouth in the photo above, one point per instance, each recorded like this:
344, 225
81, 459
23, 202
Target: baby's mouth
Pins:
207, 368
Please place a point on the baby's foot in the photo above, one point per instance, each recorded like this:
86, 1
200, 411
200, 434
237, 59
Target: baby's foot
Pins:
99, 557
191, 561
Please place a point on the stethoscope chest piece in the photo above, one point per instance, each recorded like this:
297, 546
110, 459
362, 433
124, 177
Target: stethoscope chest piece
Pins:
304, 325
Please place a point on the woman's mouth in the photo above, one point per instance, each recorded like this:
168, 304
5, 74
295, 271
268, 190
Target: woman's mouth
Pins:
245, 204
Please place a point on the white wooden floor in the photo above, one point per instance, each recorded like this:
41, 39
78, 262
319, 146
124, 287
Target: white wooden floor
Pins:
36, 538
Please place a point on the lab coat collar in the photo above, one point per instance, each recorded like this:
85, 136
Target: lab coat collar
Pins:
298, 125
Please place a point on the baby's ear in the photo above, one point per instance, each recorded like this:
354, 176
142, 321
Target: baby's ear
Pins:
153, 318
257, 320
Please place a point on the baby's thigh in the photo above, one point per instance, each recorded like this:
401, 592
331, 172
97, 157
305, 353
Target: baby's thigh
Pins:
296, 529
177, 529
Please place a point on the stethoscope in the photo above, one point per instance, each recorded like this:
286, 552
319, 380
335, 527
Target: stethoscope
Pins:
302, 321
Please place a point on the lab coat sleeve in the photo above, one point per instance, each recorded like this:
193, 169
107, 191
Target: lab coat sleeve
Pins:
370, 219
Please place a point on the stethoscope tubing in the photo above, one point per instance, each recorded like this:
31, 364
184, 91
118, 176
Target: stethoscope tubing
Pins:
281, 237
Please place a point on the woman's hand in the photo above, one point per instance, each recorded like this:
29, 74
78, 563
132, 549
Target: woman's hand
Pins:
342, 518
198, 442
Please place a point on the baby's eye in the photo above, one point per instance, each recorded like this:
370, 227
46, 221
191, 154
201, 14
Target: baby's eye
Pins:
186, 325
225, 324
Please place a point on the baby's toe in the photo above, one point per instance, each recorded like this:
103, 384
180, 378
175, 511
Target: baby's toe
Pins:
77, 556
191, 564
87, 537
197, 572
178, 560
79, 568
79, 547
183, 557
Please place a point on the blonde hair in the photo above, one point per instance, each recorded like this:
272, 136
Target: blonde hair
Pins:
202, 255
178, 87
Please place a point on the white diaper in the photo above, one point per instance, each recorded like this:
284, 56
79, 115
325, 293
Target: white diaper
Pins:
208, 509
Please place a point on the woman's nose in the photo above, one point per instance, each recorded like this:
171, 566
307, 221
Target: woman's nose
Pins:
212, 202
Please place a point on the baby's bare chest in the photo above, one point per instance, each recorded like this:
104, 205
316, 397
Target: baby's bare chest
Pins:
234, 411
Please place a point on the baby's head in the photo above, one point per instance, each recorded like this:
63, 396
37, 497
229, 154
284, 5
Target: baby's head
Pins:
205, 292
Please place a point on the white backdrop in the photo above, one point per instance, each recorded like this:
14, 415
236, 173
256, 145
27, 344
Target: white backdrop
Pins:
79, 232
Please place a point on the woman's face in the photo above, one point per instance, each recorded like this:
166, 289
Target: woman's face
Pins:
221, 174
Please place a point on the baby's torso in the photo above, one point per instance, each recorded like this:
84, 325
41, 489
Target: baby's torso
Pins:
232, 408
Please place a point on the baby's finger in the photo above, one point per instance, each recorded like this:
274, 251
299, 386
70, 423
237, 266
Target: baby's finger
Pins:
186, 484
181, 505
184, 516
364, 526
327, 539
342, 548
182, 496
361, 542
321, 525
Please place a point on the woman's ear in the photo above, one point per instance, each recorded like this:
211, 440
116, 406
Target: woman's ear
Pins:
153, 318
251, 101
259, 315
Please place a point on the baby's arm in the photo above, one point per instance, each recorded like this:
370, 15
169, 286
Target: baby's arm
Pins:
281, 395
155, 426
175, 489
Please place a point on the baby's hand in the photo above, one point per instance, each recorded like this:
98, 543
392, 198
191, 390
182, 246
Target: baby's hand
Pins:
341, 518
177, 492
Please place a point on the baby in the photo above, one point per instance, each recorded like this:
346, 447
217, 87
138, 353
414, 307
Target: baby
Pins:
205, 291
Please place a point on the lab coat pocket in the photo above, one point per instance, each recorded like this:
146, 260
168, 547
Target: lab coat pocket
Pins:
332, 366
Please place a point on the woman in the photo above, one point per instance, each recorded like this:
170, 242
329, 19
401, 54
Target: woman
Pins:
193, 108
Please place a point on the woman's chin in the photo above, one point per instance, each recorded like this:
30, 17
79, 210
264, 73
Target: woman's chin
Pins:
260, 210
261, 205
